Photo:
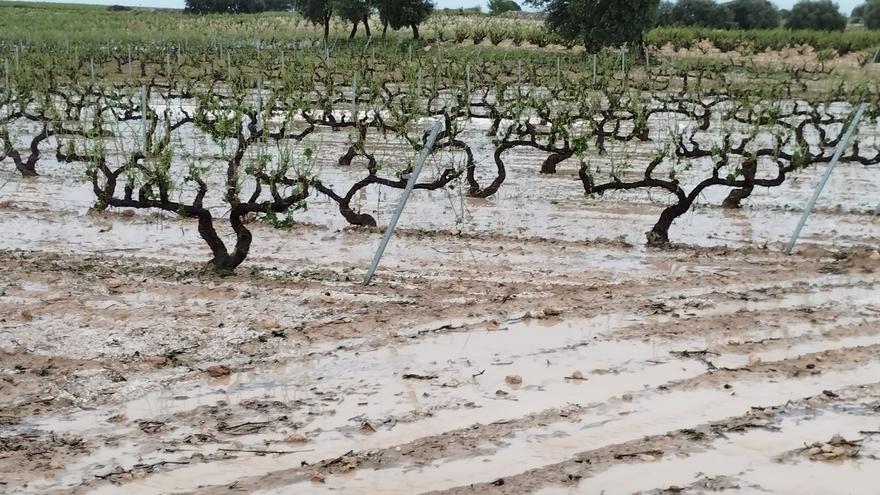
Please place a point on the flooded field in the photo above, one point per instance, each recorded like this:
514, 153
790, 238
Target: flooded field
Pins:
524, 343
542, 356
586, 293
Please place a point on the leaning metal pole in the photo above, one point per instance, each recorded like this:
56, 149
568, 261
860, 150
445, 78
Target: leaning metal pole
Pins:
410, 184
841, 147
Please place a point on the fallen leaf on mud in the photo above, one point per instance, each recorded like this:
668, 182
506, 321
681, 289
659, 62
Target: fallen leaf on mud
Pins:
26, 315
317, 477
576, 375
836, 448
218, 370
367, 427
296, 438
501, 393
270, 324
157, 361
498, 482
150, 426
347, 464
513, 379
118, 418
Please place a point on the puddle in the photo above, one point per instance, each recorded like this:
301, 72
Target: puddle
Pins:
750, 460
654, 414
611, 367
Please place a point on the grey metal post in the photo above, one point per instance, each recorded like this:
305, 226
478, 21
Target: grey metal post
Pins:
519, 76
410, 184
841, 148
260, 103
594, 68
354, 99
144, 119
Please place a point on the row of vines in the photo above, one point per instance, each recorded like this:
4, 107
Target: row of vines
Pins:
222, 135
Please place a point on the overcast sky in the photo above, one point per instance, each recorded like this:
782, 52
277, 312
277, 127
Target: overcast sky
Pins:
845, 5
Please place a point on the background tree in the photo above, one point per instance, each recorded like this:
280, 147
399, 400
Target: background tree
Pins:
236, 6
816, 14
871, 14
784, 16
355, 12
318, 12
754, 14
664, 13
498, 7
405, 13
855, 16
599, 23
704, 13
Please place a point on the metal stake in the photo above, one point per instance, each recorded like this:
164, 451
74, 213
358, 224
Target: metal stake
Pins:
841, 147
594, 68
354, 99
411, 183
144, 118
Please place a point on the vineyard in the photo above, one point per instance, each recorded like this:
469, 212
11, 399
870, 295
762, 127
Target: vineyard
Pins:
586, 292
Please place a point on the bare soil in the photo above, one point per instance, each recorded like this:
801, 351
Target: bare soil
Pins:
476, 363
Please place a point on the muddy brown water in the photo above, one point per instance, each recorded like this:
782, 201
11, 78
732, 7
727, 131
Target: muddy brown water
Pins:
511, 345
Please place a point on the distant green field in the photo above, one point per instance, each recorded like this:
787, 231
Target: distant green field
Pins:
64, 24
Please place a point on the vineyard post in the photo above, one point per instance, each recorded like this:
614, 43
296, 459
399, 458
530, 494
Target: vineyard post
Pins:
354, 99
467, 82
129, 62
260, 103
841, 147
519, 76
6, 72
410, 184
144, 119
92, 70
558, 73
594, 68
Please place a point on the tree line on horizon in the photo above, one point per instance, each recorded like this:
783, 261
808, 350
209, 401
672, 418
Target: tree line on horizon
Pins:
594, 23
